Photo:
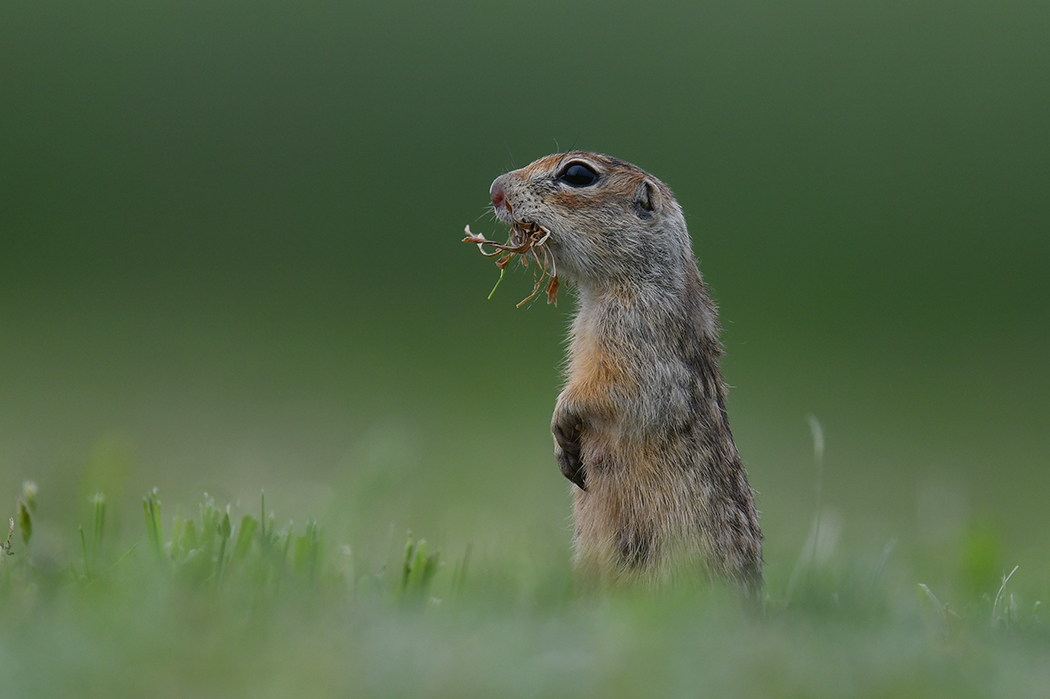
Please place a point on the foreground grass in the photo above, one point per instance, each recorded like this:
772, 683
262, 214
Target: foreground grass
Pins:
230, 604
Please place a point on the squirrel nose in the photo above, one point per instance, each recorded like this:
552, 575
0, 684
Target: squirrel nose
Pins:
498, 197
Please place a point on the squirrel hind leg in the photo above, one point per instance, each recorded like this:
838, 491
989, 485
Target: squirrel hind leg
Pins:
636, 548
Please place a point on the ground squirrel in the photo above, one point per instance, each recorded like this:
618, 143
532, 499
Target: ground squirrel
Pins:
641, 428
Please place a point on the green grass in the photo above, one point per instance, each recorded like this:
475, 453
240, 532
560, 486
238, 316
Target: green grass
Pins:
227, 603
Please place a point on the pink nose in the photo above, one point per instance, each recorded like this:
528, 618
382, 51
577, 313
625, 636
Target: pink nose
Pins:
498, 197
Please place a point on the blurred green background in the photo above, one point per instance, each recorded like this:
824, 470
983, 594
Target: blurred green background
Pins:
230, 257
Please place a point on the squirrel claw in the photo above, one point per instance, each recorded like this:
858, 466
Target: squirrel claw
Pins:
567, 452
571, 467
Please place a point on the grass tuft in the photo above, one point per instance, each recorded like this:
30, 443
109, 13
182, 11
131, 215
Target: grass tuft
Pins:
233, 605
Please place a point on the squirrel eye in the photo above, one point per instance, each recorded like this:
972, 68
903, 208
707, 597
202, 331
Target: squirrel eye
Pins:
578, 175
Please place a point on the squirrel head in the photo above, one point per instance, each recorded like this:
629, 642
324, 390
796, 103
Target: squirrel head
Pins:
611, 222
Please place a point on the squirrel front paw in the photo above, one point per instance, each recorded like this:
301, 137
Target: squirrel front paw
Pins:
566, 430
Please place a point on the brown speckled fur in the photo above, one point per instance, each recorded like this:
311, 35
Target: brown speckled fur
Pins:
666, 497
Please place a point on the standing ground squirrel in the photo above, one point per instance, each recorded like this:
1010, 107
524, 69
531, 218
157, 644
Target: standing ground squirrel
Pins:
641, 428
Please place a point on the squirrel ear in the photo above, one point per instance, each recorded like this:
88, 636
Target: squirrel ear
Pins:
646, 199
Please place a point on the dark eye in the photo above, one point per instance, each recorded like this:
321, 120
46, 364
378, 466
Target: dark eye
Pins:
578, 175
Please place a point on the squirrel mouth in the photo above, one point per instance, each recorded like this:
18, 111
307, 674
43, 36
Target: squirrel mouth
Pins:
527, 239
525, 235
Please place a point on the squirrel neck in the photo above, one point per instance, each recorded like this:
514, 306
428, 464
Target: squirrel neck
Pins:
627, 308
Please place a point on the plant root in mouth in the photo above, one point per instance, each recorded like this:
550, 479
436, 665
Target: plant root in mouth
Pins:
526, 239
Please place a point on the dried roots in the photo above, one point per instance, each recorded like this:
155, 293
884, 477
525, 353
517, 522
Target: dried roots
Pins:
525, 239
